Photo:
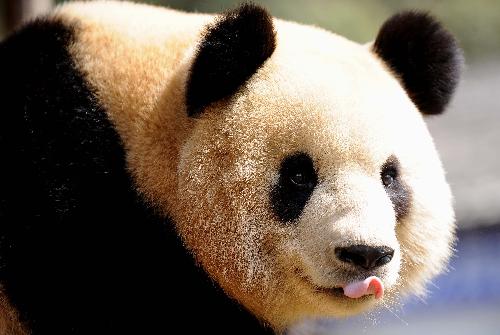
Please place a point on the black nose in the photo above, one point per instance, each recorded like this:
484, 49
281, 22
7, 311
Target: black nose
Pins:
365, 256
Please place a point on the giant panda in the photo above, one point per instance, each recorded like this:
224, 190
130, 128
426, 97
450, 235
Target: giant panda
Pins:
224, 174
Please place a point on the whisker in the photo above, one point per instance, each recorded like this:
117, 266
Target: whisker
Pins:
395, 314
433, 285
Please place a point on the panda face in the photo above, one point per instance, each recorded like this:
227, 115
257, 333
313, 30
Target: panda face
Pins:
319, 172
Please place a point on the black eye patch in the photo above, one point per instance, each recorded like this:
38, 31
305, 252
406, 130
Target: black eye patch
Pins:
398, 192
297, 180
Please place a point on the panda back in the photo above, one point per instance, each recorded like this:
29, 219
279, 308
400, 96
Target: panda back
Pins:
80, 250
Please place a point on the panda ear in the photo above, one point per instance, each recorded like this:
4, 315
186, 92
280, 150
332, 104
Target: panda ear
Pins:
424, 56
232, 50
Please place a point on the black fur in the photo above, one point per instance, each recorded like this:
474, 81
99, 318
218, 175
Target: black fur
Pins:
424, 56
80, 253
233, 49
296, 183
398, 192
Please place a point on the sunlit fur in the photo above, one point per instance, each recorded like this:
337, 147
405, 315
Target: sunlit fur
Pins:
318, 93
9, 319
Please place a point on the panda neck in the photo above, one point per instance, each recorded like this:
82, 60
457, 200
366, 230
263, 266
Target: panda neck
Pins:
196, 294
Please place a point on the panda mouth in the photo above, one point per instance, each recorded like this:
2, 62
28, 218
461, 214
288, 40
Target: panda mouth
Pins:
333, 291
371, 286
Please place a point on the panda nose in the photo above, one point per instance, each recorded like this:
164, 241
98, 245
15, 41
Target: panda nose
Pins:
365, 256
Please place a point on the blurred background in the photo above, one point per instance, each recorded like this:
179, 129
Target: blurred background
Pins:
466, 300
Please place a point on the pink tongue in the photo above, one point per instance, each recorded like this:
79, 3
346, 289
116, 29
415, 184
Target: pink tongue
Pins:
371, 285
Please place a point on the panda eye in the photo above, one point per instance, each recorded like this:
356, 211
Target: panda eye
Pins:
298, 179
296, 183
299, 172
399, 193
389, 175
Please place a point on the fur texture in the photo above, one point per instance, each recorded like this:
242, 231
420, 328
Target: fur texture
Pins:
80, 251
327, 98
424, 55
9, 319
231, 51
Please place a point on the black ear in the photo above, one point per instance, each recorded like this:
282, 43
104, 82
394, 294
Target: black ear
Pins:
232, 50
425, 57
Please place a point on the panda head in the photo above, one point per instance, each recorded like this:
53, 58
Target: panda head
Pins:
307, 167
